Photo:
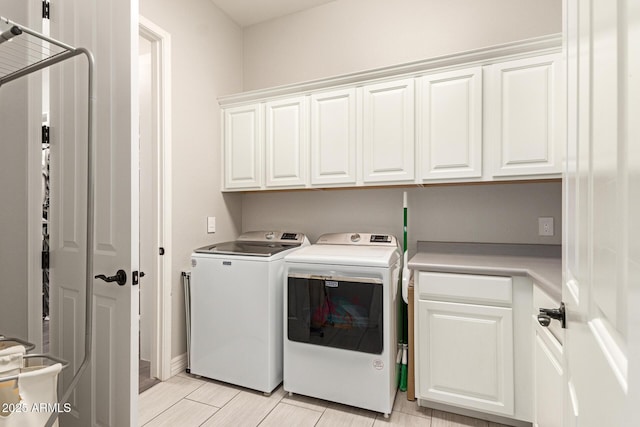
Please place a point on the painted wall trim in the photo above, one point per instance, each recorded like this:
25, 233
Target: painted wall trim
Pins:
178, 364
163, 315
35, 191
551, 43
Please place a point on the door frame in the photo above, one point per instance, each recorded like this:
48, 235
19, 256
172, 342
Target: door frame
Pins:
161, 93
34, 84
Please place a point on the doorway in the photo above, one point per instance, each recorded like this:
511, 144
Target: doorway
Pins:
154, 233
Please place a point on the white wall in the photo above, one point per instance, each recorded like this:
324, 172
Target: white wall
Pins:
13, 209
206, 63
352, 35
497, 213
346, 36
21, 197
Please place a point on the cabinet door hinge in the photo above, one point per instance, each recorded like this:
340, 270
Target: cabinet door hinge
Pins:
45, 9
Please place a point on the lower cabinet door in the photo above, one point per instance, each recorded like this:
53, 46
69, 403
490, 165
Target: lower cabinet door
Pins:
548, 378
465, 355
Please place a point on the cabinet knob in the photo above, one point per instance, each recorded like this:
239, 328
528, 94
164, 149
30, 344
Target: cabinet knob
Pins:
546, 314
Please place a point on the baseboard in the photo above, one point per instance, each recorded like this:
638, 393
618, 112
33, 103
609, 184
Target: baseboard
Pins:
474, 414
178, 364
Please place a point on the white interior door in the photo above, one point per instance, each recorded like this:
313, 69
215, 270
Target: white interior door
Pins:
107, 392
601, 289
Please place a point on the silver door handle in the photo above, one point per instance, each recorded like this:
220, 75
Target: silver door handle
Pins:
546, 314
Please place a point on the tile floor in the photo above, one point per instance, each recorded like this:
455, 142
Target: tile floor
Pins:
186, 401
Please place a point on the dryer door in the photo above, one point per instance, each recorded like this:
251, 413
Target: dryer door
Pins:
340, 312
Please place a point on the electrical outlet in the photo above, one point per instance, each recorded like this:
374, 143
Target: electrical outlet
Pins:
545, 226
211, 224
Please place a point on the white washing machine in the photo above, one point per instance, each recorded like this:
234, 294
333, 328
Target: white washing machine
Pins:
236, 309
340, 339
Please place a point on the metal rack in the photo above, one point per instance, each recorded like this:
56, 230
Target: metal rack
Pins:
22, 52
28, 347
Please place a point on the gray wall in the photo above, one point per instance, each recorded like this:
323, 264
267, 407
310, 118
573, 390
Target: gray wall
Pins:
346, 36
353, 35
16, 133
206, 63
13, 209
498, 213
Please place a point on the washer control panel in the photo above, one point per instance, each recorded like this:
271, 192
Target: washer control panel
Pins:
272, 236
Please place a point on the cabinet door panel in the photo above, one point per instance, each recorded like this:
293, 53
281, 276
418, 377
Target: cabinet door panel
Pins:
526, 116
286, 142
333, 137
466, 355
242, 147
451, 124
548, 378
388, 131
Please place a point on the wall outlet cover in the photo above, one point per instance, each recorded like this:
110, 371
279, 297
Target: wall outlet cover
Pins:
545, 226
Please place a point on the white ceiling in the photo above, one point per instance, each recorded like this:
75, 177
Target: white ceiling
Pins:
249, 12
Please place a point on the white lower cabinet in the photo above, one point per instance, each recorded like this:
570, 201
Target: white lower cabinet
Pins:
467, 351
548, 373
464, 353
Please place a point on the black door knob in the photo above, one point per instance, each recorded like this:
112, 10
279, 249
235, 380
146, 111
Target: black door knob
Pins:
120, 278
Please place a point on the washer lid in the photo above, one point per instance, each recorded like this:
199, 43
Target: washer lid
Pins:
352, 255
257, 243
246, 248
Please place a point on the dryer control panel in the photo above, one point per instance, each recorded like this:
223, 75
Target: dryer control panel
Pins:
358, 239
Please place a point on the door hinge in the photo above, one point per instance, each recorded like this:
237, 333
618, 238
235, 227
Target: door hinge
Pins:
45, 9
45, 260
161, 251
45, 134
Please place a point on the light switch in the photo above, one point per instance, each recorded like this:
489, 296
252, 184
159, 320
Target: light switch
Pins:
545, 226
211, 224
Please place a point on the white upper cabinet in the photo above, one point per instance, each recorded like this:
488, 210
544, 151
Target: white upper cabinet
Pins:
243, 147
286, 142
450, 124
525, 117
492, 118
388, 131
333, 137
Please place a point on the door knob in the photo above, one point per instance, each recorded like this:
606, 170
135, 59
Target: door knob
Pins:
546, 314
120, 278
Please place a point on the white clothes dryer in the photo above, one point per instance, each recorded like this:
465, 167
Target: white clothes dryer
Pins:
236, 309
340, 339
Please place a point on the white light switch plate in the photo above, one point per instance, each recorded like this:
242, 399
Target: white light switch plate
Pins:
545, 226
211, 224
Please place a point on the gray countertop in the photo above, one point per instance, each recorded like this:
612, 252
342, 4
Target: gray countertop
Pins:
543, 263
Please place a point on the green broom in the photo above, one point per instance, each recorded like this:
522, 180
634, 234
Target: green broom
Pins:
405, 281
